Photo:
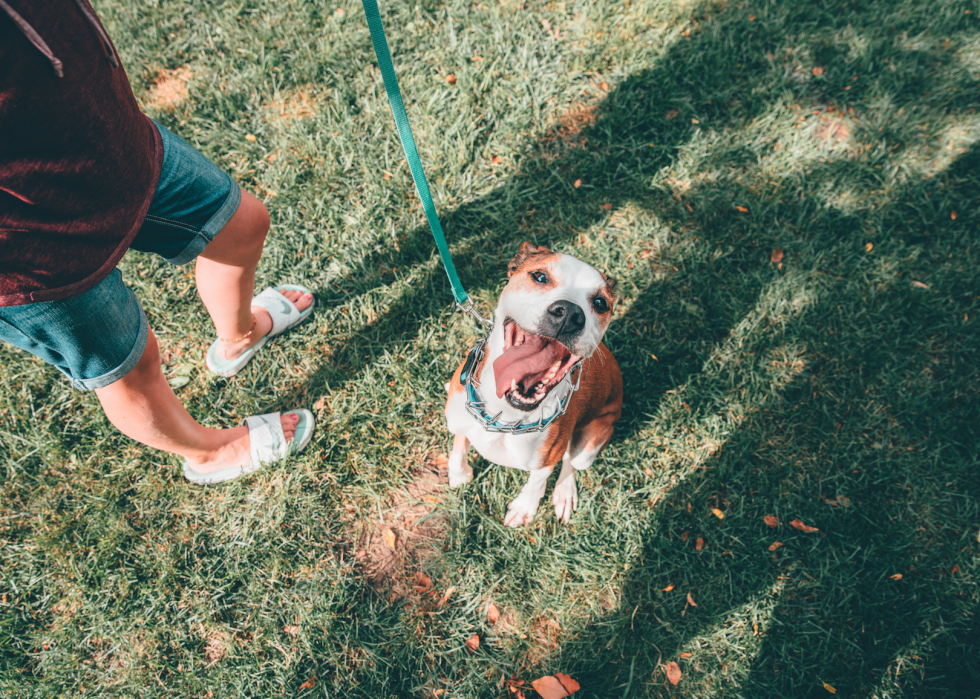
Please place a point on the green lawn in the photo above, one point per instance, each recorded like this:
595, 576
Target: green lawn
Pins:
837, 386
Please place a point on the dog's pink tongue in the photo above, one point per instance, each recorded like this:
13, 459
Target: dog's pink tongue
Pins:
525, 363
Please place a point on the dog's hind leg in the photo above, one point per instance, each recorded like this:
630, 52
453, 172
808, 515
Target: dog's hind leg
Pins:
460, 471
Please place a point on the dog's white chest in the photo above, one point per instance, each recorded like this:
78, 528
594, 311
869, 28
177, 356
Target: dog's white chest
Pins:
515, 451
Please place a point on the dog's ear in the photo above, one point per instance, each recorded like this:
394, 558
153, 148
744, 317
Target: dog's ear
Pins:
527, 250
610, 283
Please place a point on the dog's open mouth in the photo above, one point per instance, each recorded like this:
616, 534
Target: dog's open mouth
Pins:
530, 366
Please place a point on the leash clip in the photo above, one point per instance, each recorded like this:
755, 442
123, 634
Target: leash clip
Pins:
469, 308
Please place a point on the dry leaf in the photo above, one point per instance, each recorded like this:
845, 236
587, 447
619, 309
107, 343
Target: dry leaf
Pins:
803, 527
699, 544
869, 247
648, 471
472, 643
309, 684
249, 137
578, 183
956, 569
445, 597
771, 520
751, 18
775, 545
896, 576
776, 255
654, 357
920, 285
555, 686
672, 113
604, 86
291, 630
493, 614
451, 79
830, 689
684, 535
390, 538
422, 582
685, 655
953, 215
742, 209
718, 513
496, 159
818, 71
607, 207
669, 587
690, 600
673, 672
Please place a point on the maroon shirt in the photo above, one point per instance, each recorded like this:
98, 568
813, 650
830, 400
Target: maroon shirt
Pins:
79, 162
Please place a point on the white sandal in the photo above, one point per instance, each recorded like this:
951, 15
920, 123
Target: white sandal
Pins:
267, 444
284, 314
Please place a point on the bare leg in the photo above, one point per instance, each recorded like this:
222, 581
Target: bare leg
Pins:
143, 406
226, 277
459, 470
525, 505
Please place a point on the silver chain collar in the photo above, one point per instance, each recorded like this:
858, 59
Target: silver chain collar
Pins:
476, 406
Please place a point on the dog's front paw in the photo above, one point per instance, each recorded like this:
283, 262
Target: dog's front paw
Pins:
460, 472
566, 499
521, 511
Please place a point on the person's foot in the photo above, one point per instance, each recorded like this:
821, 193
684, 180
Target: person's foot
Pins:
235, 453
263, 324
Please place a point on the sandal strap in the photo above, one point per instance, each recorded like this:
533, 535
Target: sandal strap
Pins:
267, 441
283, 311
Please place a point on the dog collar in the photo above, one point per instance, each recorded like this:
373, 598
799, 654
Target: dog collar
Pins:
476, 406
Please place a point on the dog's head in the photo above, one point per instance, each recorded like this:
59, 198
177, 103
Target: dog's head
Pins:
554, 310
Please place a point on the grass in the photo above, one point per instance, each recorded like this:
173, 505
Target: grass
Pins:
838, 386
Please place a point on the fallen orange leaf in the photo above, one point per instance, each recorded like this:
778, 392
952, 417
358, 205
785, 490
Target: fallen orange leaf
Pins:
956, 569
451, 79
291, 630
556, 686
578, 183
775, 545
673, 672
672, 113
497, 159
493, 614
607, 207
718, 513
699, 544
669, 587
685, 655
953, 215
869, 247
390, 538
472, 643
684, 535
771, 520
742, 209
249, 137
818, 71
896, 576
690, 600
803, 527
604, 86
309, 684
445, 597
920, 285
830, 689
776, 255
422, 582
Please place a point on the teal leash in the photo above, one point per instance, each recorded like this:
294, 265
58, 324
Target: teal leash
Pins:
373, 15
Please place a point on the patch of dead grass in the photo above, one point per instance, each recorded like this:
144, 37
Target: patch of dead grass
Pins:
170, 89
290, 106
391, 550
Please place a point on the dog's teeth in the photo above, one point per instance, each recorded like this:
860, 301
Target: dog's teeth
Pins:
513, 384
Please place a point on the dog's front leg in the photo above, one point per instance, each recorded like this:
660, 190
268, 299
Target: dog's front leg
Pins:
566, 494
525, 505
460, 471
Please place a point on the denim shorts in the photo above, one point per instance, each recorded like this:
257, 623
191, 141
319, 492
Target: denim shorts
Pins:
98, 336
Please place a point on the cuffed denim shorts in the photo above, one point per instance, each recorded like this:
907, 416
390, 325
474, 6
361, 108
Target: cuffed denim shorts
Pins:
96, 337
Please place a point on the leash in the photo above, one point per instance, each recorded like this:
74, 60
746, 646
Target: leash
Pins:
381, 50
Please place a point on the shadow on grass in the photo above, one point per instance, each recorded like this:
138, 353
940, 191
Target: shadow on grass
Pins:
875, 397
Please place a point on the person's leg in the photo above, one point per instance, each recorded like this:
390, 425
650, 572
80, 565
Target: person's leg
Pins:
226, 278
143, 406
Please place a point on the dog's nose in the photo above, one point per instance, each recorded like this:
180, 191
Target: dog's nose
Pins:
566, 318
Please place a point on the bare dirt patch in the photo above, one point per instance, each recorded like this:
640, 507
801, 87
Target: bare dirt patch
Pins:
390, 551
291, 106
566, 133
170, 89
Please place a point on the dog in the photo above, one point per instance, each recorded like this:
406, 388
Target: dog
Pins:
548, 326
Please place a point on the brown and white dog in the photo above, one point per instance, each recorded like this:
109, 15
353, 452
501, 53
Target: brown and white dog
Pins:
552, 313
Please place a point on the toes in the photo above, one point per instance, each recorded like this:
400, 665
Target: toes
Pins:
289, 425
299, 299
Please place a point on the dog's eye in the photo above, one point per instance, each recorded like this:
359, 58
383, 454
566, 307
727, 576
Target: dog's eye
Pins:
600, 305
540, 277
